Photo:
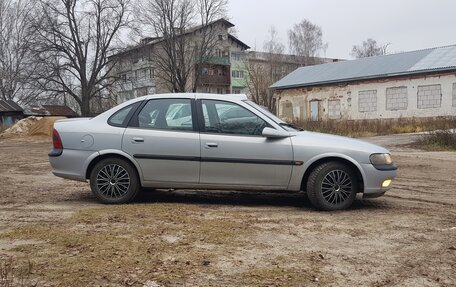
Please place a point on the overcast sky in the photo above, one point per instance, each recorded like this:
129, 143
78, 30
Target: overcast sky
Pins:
406, 24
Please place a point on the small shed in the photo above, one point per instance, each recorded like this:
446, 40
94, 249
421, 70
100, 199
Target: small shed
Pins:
51, 111
10, 112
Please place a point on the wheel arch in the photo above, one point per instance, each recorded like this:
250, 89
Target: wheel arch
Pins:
336, 158
112, 154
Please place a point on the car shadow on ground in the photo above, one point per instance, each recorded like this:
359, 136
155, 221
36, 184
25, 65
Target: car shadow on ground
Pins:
218, 197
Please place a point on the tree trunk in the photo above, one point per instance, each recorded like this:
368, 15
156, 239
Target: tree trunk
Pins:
85, 105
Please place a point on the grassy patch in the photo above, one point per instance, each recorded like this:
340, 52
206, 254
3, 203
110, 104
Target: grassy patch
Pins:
128, 245
281, 276
364, 128
443, 140
13, 274
171, 244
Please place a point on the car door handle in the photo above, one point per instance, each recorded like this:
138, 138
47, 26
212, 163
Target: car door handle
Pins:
137, 140
211, 145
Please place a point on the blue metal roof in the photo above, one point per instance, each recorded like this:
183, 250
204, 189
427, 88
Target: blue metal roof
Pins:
415, 62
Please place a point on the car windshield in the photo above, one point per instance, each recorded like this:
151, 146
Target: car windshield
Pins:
264, 111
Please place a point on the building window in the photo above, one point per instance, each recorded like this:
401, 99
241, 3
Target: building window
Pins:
454, 95
367, 101
237, 74
220, 37
334, 109
429, 96
237, 91
220, 91
236, 56
123, 77
287, 110
151, 73
396, 98
218, 53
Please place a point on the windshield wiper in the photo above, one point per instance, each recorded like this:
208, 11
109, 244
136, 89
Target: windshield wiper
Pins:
291, 126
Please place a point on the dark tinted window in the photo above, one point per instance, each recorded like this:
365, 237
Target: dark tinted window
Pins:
230, 118
167, 114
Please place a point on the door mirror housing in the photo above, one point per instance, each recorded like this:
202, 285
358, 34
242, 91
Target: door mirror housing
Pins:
273, 133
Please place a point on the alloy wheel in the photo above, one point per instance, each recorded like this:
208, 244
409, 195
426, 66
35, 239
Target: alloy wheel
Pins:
336, 187
113, 181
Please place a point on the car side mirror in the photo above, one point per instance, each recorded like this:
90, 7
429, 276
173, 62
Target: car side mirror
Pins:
273, 133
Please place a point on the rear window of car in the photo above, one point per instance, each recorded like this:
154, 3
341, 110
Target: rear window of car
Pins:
121, 117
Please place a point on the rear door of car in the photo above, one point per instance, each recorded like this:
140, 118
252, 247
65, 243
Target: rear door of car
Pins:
163, 137
233, 151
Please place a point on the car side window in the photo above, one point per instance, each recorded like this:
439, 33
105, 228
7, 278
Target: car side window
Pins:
166, 114
230, 118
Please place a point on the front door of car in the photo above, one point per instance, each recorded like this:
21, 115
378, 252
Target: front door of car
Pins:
233, 151
163, 138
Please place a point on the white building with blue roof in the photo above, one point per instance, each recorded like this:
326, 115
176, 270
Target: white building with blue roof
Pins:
404, 85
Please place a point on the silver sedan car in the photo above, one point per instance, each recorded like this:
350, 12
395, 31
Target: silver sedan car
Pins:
207, 141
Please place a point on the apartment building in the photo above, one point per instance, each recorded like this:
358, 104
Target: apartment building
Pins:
137, 72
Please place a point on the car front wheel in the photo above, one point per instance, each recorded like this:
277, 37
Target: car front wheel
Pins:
332, 186
114, 181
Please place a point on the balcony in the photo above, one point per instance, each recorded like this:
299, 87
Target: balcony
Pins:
214, 75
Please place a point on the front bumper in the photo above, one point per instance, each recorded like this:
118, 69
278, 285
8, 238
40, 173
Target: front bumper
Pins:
373, 179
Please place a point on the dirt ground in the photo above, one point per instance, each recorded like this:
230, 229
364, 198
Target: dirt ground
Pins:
54, 233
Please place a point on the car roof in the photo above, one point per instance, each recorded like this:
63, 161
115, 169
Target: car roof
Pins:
233, 97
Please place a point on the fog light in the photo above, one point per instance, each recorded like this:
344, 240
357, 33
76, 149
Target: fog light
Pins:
386, 183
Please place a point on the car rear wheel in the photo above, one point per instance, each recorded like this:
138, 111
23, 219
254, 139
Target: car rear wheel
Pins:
114, 181
332, 186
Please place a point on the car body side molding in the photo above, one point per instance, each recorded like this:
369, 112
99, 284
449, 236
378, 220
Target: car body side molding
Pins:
218, 159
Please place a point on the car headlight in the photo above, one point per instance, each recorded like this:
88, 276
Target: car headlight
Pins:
381, 159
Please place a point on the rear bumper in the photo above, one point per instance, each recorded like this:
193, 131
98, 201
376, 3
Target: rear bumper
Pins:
71, 164
55, 152
374, 178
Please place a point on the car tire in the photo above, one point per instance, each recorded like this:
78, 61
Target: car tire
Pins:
114, 181
332, 186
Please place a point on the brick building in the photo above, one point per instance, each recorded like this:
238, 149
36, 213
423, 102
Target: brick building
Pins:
411, 84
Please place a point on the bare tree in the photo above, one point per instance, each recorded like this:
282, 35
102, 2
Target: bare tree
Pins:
305, 41
265, 70
180, 52
17, 63
273, 44
369, 48
168, 20
75, 38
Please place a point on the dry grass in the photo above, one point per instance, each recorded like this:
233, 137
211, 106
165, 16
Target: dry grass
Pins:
130, 244
13, 274
440, 140
366, 128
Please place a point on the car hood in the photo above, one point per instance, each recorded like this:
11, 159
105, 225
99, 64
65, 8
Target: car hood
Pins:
334, 143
